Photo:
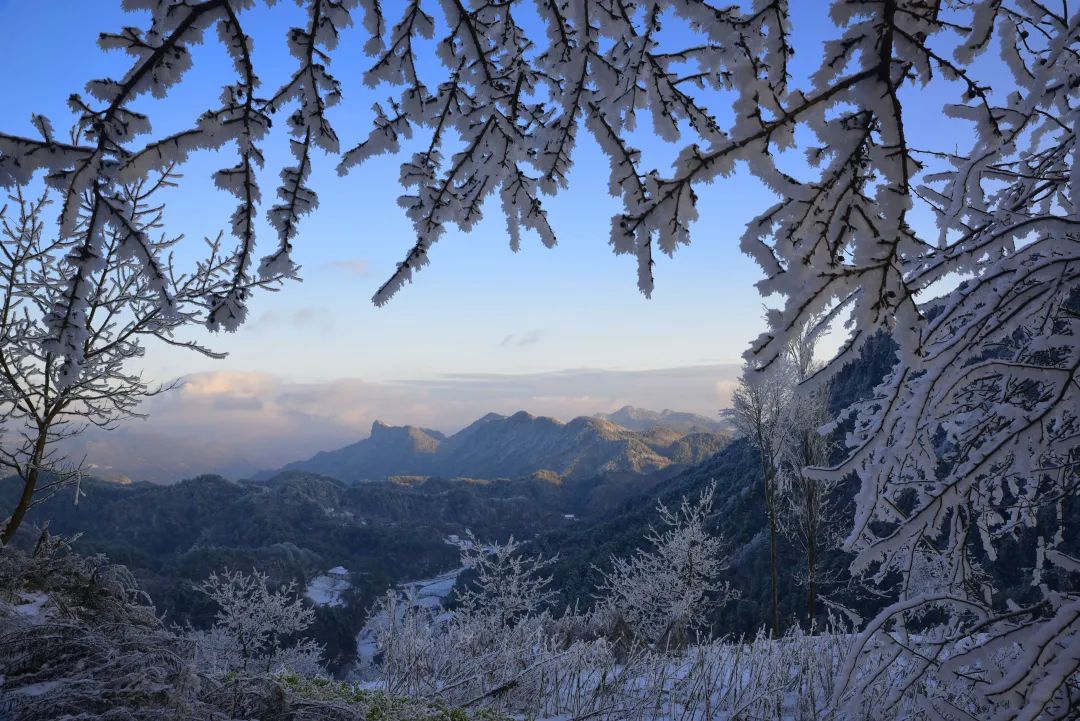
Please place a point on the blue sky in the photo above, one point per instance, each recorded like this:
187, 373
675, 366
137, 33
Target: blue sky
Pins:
576, 305
478, 311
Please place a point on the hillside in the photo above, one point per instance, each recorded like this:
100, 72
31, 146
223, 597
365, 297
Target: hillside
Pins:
296, 525
522, 444
388, 451
585, 550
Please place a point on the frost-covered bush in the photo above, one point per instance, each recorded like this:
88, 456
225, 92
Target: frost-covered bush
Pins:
506, 584
596, 665
665, 591
78, 640
461, 657
541, 674
257, 629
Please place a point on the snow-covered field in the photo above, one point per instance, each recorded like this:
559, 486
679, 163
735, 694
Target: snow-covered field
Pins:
430, 592
326, 590
427, 594
534, 670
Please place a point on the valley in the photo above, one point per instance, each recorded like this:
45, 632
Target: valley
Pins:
381, 508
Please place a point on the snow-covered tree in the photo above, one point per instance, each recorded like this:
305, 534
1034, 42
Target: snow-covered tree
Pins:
972, 434
783, 420
257, 628
507, 584
47, 396
760, 410
502, 109
665, 590
971, 441
807, 512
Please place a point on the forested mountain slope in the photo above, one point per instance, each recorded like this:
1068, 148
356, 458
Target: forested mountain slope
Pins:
584, 551
297, 525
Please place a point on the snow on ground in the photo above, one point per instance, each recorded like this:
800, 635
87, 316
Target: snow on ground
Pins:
367, 642
32, 605
430, 592
326, 590
426, 593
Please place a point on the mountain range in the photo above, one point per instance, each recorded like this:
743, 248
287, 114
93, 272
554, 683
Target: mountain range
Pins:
642, 419
629, 441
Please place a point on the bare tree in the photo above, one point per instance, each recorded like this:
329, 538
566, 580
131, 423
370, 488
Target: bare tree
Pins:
47, 396
782, 420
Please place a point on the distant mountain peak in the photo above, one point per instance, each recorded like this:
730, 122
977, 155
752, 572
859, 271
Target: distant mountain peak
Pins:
632, 440
644, 419
427, 436
522, 416
630, 410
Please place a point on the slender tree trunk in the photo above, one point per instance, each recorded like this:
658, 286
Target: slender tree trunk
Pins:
813, 519
29, 486
775, 581
811, 579
768, 477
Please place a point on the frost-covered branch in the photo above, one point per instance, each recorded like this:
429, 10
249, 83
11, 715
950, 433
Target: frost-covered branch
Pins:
134, 294
664, 593
257, 629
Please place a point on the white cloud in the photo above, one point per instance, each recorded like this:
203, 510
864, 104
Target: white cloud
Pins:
524, 339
